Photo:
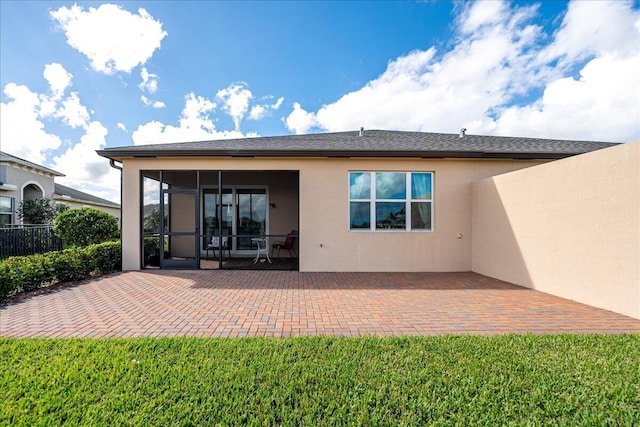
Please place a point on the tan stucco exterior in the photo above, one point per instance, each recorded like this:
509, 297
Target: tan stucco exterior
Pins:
75, 204
570, 228
325, 242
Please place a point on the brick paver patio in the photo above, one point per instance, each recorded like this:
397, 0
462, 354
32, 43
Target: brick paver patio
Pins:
286, 303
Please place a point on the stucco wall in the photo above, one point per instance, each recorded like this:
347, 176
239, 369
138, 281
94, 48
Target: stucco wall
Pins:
328, 245
78, 205
21, 178
570, 228
325, 242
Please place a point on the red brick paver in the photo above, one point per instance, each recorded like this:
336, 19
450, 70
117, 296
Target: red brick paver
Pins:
285, 303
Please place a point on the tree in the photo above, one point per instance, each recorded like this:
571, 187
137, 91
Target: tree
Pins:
85, 226
152, 221
40, 211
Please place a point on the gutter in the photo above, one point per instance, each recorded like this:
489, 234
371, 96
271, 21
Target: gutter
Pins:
112, 163
112, 155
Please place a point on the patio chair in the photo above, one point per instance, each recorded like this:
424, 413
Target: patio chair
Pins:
288, 243
219, 243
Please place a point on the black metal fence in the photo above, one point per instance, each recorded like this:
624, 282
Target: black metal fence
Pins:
28, 240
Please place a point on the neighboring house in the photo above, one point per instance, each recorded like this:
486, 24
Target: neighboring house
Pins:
78, 199
24, 180
396, 201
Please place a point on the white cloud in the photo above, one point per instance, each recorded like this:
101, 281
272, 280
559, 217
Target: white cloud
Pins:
235, 101
59, 79
149, 81
121, 126
490, 79
149, 103
582, 108
194, 125
260, 111
277, 104
85, 170
72, 112
594, 29
300, 121
80, 161
22, 131
150, 84
481, 14
112, 38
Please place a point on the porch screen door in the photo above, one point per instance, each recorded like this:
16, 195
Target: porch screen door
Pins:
180, 229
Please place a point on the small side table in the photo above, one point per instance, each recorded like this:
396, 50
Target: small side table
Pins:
263, 244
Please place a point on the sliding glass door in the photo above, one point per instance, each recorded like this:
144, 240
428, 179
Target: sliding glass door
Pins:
251, 216
243, 214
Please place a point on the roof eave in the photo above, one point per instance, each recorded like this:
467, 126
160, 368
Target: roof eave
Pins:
120, 154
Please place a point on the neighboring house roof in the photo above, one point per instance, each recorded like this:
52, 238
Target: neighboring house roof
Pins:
373, 143
65, 193
8, 158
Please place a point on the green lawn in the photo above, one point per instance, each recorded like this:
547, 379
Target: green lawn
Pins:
465, 380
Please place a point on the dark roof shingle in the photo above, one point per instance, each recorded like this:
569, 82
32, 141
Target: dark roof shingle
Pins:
79, 196
374, 143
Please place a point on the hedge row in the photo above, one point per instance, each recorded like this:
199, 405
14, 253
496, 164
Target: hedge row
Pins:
25, 273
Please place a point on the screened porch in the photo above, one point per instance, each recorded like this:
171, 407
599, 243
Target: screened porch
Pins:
211, 219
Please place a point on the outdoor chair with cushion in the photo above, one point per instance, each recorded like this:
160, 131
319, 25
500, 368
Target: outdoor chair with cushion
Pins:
288, 244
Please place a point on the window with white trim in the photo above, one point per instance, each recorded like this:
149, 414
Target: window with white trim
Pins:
392, 201
6, 210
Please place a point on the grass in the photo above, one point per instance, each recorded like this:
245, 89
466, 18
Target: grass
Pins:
461, 380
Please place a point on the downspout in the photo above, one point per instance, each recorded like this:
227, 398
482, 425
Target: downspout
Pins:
112, 163
219, 215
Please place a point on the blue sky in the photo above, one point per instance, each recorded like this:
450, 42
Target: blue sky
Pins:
82, 76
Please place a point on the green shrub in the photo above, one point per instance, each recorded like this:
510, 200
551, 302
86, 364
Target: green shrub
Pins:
35, 271
106, 257
19, 274
9, 282
66, 265
85, 226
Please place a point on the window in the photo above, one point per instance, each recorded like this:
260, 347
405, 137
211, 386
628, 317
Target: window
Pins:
390, 201
6, 211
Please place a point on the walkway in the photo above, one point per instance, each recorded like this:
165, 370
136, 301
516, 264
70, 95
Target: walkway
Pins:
286, 303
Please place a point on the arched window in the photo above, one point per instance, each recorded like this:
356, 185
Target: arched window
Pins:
32, 190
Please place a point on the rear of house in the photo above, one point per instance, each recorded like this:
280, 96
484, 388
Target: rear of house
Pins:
358, 201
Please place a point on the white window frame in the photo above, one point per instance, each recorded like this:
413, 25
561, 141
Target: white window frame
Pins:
372, 200
12, 210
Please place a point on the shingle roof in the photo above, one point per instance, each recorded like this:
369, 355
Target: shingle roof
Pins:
6, 157
79, 196
374, 143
